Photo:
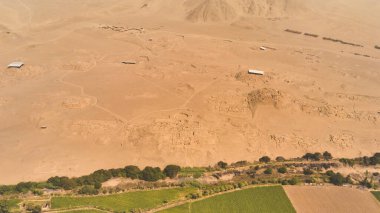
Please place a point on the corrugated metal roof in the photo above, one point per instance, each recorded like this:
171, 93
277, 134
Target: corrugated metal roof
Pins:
16, 64
256, 72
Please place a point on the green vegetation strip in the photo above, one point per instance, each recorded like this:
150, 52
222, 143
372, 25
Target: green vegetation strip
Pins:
376, 194
83, 211
257, 199
124, 201
10, 203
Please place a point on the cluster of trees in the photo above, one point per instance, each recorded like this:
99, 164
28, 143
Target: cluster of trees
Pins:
292, 181
264, 159
89, 184
4, 207
369, 183
268, 171
308, 171
222, 187
23, 187
366, 160
282, 170
317, 156
337, 178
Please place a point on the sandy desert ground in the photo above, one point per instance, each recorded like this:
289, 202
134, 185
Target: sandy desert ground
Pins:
74, 107
331, 199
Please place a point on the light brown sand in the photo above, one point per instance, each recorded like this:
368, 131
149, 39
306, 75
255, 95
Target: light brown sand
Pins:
74, 107
331, 199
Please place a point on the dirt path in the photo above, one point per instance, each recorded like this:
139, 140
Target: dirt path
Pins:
79, 209
95, 99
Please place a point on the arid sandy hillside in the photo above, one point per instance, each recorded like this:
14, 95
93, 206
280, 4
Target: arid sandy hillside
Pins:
74, 107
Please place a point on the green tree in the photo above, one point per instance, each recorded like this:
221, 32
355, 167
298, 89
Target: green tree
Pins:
171, 171
337, 179
152, 174
240, 163
282, 170
222, 164
307, 171
62, 182
280, 159
265, 159
327, 156
308, 156
375, 159
347, 161
97, 185
88, 190
24, 187
268, 171
132, 172
317, 156
5, 189
293, 181
330, 173
367, 183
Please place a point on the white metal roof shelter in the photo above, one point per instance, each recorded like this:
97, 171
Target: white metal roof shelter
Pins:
256, 72
16, 64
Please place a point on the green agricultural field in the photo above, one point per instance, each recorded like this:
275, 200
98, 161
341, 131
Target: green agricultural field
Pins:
11, 203
123, 201
84, 211
376, 194
192, 171
258, 199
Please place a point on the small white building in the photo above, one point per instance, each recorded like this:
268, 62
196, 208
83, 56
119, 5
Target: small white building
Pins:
263, 48
16, 64
256, 72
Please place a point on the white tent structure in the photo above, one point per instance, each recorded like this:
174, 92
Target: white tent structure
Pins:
256, 72
16, 64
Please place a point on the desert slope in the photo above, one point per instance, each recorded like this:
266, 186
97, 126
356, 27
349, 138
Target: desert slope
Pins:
74, 107
227, 10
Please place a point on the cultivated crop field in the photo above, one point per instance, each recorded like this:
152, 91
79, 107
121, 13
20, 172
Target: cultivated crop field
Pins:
258, 199
124, 201
376, 194
12, 203
84, 211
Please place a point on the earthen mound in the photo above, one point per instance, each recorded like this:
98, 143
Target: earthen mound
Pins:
265, 96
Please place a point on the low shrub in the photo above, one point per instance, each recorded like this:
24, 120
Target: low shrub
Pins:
282, 170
